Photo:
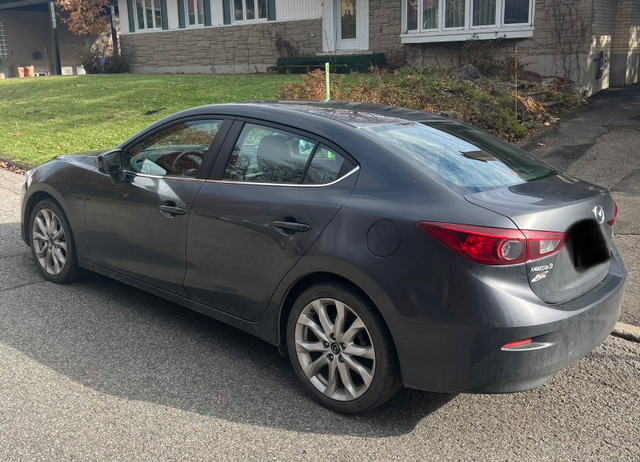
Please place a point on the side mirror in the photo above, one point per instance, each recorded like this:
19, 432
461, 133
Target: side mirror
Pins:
112, 163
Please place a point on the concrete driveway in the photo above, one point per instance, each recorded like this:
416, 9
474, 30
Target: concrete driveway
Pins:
96, 370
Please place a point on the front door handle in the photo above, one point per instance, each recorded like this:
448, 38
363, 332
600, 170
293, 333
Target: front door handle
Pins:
172, 210
292, 225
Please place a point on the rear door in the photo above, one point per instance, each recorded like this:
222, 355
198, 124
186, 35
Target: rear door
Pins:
276, 191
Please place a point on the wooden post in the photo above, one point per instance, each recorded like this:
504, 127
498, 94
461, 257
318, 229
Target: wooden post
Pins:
114, 32
56, 43
328, 78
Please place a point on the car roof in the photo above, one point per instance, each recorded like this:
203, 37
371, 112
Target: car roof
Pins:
350, 113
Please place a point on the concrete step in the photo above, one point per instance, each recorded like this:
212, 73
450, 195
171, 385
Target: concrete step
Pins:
551, 106
540, 96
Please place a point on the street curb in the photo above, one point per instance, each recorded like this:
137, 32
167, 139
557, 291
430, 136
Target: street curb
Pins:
15, 166
627, 332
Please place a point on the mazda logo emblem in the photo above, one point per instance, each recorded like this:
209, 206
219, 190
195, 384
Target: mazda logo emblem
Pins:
598, 211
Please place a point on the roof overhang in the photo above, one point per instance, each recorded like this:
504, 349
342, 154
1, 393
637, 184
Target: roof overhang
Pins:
24, 5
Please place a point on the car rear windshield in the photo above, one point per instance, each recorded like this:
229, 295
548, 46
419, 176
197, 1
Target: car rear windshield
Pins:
465, 157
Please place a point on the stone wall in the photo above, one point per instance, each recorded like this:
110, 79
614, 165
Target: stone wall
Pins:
385, 25
568, 40
220, 50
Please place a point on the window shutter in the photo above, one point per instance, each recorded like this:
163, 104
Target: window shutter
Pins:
271, 10
226, 11
131, 15
207, 12
181, 19
163, 14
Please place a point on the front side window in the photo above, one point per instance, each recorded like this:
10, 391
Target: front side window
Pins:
175, 151
249, 10
442, 17
148, 15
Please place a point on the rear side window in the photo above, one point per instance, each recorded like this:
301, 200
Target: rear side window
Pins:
465, 157
327, 166
269, 155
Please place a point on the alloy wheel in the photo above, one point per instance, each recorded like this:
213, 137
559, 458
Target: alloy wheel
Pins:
49, 241
334, 349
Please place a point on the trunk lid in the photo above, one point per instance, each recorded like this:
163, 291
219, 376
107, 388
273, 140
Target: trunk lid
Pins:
563, 204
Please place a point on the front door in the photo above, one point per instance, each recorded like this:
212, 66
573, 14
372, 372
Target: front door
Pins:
347, 24
138, 227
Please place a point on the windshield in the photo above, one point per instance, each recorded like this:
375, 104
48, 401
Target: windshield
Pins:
465, 157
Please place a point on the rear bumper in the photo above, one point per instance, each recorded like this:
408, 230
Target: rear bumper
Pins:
457, 346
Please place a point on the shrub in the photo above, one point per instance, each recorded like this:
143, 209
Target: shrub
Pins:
112, 64
429, 89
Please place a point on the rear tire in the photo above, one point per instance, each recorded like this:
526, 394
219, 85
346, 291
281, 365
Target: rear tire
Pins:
52, 244
341, 350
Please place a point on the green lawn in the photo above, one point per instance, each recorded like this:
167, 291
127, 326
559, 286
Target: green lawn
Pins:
41, 118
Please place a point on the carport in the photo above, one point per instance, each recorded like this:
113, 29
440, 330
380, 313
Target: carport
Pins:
32, 34
29, 36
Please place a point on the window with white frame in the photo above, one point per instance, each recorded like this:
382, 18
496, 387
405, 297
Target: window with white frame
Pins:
195, 13
443, 20
249, 10
4, 51
148, 15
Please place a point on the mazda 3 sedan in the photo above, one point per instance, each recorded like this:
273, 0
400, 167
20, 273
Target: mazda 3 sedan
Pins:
378, 247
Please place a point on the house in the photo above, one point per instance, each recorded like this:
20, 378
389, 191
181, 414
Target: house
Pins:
31, 34
593, 42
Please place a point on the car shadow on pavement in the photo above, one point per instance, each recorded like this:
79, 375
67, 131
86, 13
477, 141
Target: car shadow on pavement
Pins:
126, 343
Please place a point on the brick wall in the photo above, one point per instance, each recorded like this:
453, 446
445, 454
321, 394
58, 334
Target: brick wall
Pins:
220, 50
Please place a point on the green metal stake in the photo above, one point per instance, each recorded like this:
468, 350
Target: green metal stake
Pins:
326, 73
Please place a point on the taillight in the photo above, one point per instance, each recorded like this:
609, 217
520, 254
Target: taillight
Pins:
494, 246
543, 243
615, 214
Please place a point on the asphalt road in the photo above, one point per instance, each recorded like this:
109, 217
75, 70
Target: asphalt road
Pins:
96, 370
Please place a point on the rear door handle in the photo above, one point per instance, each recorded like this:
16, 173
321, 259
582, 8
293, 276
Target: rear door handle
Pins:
292, 225
172, 209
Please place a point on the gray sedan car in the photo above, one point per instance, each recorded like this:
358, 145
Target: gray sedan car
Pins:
375, 246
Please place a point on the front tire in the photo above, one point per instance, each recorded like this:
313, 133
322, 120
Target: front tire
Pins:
341, 350
52, 244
